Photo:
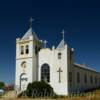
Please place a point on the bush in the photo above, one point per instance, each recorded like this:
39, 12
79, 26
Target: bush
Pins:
2, 85
39, 89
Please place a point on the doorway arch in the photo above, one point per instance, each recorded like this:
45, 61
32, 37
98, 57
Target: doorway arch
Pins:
23, 79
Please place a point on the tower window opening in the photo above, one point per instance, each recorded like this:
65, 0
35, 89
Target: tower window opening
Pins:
22, 50
27, 49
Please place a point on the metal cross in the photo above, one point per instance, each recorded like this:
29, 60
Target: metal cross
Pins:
63, 33
59, 71
45, 42
31, 20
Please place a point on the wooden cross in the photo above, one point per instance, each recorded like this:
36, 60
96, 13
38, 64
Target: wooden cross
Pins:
59, 71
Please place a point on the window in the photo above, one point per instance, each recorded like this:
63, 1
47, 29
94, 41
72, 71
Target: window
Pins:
39, 48
70, 77
78, 77
36, 49
27, 49
59, 55
99, 80
85, 78
45, 73
95, 80
22, 50
91, 79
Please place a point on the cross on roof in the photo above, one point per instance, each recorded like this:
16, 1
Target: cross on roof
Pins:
45, 42
31, 20
63, 33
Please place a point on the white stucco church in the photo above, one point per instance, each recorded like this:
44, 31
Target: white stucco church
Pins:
56, 66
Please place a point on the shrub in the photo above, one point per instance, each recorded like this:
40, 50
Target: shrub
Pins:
39, 89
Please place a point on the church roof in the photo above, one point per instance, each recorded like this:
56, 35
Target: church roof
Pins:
30, 33
85, 67
61, 45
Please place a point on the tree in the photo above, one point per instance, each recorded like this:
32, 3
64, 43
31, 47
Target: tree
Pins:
2, 85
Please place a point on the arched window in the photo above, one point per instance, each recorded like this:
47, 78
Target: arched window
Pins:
27, 49
22, 50
45, 73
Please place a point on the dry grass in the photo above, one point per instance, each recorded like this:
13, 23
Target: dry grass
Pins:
73, 98
95, 96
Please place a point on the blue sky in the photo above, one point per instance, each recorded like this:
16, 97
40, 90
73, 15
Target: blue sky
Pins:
80, 18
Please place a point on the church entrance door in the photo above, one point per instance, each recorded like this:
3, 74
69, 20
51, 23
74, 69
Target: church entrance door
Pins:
23, 81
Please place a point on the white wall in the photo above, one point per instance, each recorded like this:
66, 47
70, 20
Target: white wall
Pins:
82, 85
31, 60
51, 58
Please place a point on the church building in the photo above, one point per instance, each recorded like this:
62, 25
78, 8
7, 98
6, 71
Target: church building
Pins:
56, 66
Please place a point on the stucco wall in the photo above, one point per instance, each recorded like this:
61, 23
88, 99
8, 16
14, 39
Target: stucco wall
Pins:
51, 58
82, 86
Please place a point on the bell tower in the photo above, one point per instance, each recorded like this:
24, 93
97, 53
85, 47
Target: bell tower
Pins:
27, 49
